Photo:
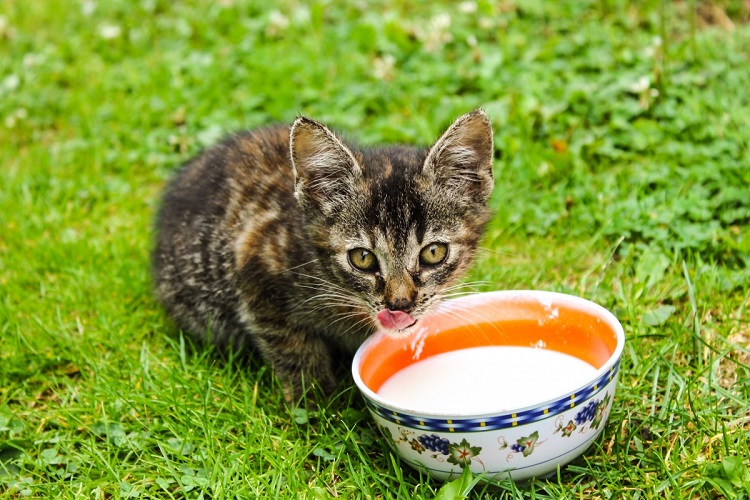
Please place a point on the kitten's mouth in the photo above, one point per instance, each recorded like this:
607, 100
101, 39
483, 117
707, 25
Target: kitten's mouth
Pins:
396, 320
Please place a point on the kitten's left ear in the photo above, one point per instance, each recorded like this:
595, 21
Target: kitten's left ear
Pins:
461, 160
324, 168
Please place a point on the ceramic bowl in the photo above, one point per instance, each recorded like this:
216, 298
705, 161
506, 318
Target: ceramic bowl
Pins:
532, 440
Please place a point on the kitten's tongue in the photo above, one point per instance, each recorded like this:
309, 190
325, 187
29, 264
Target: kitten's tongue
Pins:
395, 320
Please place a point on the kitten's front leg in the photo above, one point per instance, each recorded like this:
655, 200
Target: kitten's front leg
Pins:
301, 361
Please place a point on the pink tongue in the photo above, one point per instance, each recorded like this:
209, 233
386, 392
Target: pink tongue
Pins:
395, 320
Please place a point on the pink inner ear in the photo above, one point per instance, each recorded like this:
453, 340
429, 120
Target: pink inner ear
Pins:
395, 320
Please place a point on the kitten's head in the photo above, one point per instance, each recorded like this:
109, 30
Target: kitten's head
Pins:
394, 226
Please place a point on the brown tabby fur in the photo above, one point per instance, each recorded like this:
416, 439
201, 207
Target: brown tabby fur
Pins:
253, 238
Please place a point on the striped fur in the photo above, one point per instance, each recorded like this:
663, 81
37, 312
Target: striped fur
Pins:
253, 238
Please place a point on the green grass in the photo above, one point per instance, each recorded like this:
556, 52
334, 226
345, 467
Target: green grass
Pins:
623, 175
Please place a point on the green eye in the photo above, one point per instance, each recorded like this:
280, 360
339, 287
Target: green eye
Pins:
363, 259
433, 254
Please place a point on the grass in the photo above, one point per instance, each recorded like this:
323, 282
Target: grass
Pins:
622, 176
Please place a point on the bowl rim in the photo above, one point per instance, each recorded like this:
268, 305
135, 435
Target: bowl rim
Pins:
608, 370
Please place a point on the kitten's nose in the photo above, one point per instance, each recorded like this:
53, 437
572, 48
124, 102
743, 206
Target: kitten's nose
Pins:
400, 304
400, 295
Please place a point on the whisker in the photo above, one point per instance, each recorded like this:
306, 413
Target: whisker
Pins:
361, 322
495, 251
330, 295
298, 266
474, 285
318, 279
458, 294
472, 318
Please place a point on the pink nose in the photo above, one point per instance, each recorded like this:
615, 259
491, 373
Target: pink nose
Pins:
395, 320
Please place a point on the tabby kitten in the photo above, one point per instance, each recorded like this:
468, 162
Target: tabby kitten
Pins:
298, 244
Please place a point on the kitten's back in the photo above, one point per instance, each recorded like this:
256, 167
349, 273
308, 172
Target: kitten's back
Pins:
245, 183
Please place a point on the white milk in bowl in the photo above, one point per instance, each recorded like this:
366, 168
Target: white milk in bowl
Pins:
486, 379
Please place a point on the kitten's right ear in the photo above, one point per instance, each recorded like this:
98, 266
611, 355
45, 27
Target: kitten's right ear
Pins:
461, 160
324, 167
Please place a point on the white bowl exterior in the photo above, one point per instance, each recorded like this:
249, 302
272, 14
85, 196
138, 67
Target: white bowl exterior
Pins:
533, 442
518, 450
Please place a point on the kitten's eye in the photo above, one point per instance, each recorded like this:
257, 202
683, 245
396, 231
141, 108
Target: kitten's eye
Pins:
433, 254
363, 259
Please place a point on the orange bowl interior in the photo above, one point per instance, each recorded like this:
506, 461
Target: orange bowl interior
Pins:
522, 322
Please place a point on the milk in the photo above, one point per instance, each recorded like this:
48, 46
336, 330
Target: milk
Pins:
486, 379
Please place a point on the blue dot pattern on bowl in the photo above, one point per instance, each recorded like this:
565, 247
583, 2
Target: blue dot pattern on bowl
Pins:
501, 421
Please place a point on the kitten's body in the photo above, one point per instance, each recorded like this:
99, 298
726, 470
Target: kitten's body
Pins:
269, 245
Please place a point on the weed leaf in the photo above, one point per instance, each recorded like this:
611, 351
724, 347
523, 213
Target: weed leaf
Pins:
658, 316
458, 489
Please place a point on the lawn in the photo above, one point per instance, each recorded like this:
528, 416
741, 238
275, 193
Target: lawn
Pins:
623, 176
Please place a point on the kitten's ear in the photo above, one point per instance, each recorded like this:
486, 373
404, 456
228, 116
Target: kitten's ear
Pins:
324, 168
461, 160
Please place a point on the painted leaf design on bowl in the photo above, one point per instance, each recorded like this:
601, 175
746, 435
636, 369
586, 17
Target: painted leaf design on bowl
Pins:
502, 442
462, 453
567, 430
600, 412
526, 444
416, 446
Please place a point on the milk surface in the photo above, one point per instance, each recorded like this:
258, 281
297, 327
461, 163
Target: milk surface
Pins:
486, 379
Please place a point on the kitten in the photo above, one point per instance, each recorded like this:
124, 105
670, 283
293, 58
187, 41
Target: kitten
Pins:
298, 244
